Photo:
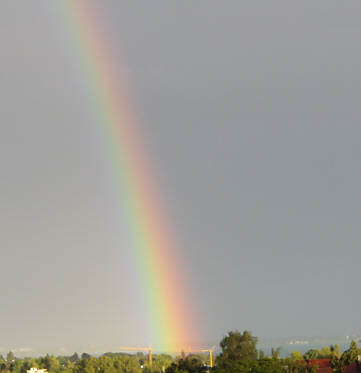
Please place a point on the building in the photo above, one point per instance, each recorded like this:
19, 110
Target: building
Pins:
36, 370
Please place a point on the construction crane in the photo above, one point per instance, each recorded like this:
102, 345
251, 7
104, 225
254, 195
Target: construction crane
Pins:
210, 354
149, 349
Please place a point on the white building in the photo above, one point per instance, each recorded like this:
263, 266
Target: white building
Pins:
36, 370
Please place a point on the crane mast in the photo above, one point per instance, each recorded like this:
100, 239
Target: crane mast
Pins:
210, 351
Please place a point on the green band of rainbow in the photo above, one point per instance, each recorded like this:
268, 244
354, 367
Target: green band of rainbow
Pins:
168, 309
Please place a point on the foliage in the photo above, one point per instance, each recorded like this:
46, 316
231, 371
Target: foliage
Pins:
271, 365
335, 351
190, 364
10, 356
263, 365
161, 362
74, 358
349, 356
238, 347
238, 355
296, 356
295, 366
276, 352
325, 353
313, 354
50, 363
116, 363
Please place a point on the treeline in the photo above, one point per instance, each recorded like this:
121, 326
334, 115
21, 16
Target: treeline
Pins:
238, 354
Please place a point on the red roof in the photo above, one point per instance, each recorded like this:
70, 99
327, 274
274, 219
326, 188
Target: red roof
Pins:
352, 368
324, 365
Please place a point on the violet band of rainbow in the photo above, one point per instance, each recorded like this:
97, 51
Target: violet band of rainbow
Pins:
168, 308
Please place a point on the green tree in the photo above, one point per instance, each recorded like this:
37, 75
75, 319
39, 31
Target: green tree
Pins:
105, 364
18, 366
173, 368
313, 353
349, 356
51, 363
270, 365
191, 365
182, 356
312, 368
2, 361
295, 366
74, 358
88, 365
325, 353
276, 352
336, 364
244, 366
335, 351
32, 363
10, 356
161, 362
127, 364
296, 356
237, 347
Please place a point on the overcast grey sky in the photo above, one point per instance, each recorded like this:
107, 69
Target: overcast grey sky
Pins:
252, 113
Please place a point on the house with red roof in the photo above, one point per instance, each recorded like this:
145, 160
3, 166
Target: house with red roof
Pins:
324, 366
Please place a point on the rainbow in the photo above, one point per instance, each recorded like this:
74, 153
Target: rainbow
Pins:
168, 307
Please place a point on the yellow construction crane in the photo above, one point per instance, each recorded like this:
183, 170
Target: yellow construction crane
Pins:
149, 349
210, 354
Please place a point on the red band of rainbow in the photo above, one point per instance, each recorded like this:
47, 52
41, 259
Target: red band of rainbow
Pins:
167, 311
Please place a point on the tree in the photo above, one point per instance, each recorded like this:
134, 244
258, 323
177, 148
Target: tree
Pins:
190, 364
18, 366
105, 364
33, 363
348, 357
325, 353
10, 356
276, 352
51, 363
182, 356
237, 347
270, 365
336, 364
296, 366
313, 354
74, 358
161, 362
127, 363
296, 356
335, 351
88, 365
